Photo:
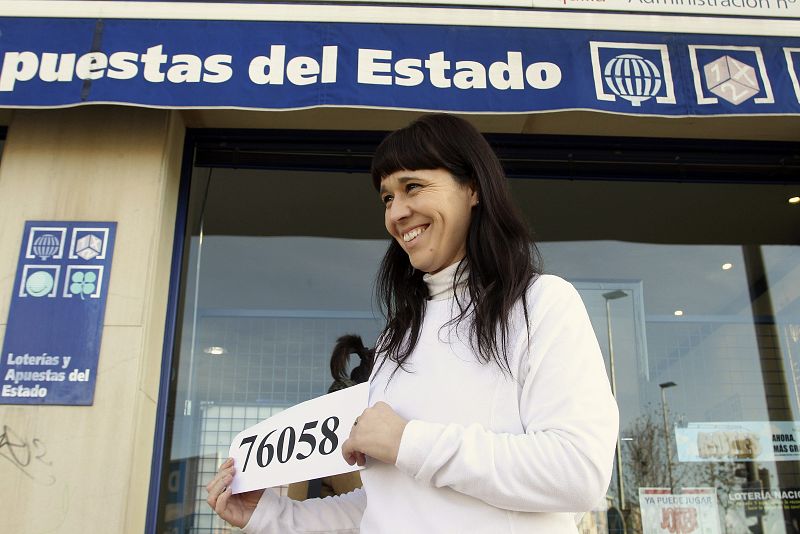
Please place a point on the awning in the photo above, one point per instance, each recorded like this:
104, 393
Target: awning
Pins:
290, 65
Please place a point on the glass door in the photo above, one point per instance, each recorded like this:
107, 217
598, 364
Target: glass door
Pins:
693, 289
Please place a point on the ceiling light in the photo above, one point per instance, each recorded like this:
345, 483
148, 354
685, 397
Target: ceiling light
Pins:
215, 351
727, 266
794, 200
678, 312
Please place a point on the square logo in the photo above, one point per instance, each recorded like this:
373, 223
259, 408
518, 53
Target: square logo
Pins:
793, 64
632, 72
83, 281
735, 74
39, 281
45, 243
88, 244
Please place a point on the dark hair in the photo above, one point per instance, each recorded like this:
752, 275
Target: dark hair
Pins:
501, 256
345, 346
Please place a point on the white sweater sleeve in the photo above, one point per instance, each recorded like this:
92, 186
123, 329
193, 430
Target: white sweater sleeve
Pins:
563, 461
340, 514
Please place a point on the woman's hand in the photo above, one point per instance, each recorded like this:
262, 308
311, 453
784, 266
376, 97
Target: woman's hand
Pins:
235, 509
377, 434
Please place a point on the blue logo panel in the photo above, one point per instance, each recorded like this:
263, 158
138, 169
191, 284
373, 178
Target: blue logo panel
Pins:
55, 322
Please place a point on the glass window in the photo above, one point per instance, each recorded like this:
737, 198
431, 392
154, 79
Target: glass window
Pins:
266, 295
693, 290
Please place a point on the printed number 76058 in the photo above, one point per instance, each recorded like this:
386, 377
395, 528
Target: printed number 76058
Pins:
287, 441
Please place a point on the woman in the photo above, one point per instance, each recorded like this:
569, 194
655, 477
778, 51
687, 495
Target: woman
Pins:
490, 408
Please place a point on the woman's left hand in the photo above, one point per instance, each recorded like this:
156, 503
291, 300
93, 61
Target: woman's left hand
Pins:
377, 435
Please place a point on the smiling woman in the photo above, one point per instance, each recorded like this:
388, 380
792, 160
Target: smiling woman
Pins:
490, 409
428, 214
470, 207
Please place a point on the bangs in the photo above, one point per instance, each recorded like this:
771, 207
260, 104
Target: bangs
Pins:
411, 148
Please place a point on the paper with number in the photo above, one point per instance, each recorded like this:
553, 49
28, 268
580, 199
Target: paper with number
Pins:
303, 442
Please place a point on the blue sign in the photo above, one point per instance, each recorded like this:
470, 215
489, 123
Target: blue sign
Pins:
55, 321
286, 65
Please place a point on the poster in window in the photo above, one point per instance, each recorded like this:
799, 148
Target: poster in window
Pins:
692, 511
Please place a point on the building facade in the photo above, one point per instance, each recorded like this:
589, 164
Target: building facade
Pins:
653, 147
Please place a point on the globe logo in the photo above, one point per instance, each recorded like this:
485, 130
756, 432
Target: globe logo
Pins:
45, 246
39, 284
633, 78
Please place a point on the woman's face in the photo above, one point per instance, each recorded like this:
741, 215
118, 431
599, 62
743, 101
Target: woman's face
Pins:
428, 214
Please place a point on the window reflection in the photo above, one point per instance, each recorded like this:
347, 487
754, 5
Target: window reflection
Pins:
691, 288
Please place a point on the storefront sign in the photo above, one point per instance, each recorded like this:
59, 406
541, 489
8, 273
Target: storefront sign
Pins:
55, 322
693, 511
761, 510
283, 65
742, 441
303, 442
767, 499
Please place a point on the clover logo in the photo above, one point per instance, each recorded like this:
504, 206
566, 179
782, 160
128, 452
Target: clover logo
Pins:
83, 283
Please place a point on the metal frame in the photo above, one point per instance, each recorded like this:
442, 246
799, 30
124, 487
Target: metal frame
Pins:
523, 156
160, 440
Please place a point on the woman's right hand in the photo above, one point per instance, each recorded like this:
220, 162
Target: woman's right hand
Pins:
235, 509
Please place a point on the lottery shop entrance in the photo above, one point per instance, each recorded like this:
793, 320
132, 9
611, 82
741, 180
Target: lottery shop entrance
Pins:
690, 273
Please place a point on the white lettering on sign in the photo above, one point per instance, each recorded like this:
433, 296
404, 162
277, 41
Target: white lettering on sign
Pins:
303, 442
155, 66
25, 368
300, 70
512, 70
376, 67
23, 391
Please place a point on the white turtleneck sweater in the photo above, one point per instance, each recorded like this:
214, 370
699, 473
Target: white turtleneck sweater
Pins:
482, 453
440, 285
